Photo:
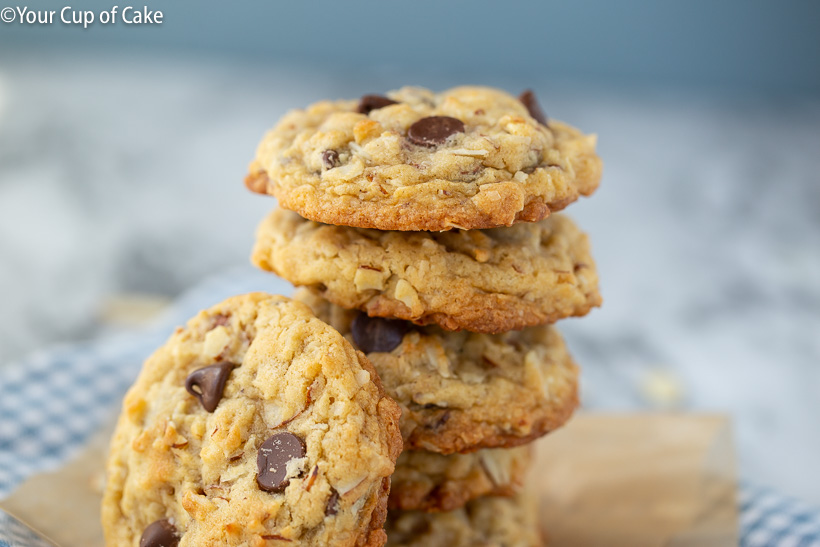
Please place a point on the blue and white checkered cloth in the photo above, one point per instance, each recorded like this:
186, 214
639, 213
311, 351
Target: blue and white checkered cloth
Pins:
52, 402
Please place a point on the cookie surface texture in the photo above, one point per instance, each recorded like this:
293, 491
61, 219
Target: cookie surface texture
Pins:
488, 522
426, 481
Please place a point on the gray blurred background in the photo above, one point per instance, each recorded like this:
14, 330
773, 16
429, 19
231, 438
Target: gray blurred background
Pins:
123, 148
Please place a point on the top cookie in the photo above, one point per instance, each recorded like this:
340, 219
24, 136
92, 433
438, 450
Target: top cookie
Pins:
256, 423
469, 158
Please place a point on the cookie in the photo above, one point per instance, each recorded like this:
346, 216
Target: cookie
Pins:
486, 281
488, 522
256, 423
462, 391
426, 481
469, 158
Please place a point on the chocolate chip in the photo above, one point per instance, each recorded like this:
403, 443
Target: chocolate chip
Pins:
220, 320
434, 130
330, 158
210, 381
442, 419
272, 460
160, 533
529, 100
378, 334
332, 505
373, 102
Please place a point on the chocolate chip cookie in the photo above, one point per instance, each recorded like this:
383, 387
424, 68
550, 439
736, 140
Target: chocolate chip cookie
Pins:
462, 391
255, 424
488, 522
426, 481
469, 158
486, 281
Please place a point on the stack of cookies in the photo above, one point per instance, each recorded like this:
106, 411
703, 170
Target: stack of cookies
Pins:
420, 226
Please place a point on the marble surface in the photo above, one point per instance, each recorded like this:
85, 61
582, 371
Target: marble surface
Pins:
123, 176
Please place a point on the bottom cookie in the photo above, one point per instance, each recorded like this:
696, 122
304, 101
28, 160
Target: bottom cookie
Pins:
489, 522
426, 481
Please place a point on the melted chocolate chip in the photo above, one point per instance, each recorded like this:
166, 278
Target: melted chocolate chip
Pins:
442, 419
373, 102
272, 460
434, 130
211, 382
378, 334
332, 505
160, 533
529, 100
330, 159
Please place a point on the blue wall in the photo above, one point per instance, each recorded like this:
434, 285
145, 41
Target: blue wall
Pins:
757, 45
